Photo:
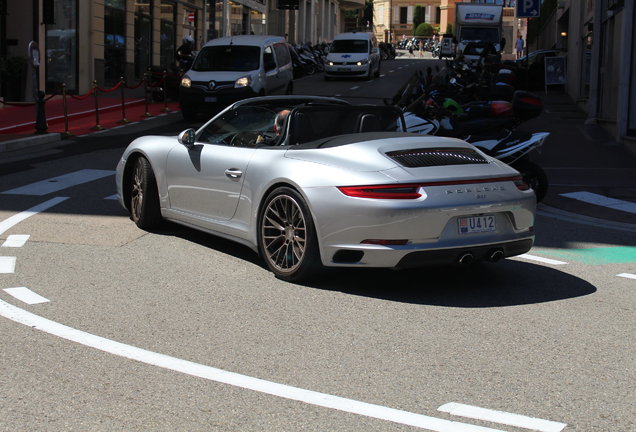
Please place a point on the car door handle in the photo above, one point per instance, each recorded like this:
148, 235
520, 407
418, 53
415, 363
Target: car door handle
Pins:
233, 173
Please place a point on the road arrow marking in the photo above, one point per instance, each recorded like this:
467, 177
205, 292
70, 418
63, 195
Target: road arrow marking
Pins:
243, 381
16, 219
26, 295
7, 264
502, 417
16, 240
56, 184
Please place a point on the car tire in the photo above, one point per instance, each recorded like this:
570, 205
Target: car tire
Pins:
188, 114
287, 238
144, 195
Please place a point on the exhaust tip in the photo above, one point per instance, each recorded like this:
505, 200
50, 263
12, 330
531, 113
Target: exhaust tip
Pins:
495, 255
466, 259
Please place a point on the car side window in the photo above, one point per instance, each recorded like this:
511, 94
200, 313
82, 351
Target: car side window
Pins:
239, 127
268, 59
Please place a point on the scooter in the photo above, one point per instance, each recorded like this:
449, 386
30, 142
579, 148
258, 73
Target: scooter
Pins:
509, 146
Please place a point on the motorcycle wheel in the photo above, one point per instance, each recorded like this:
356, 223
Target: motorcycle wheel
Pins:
534, 176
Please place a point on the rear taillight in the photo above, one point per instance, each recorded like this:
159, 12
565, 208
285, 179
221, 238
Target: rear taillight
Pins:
500, 108
414, 190
405, 191
521, 185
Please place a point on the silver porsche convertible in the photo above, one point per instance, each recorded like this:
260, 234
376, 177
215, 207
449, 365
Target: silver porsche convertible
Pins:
309, 182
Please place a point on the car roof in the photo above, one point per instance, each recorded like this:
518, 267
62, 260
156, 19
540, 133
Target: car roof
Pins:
251, 40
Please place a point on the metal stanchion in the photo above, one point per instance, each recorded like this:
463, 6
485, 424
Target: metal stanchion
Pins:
97, 125
65, 105
147, 76
165, 92
40, 117
123, 120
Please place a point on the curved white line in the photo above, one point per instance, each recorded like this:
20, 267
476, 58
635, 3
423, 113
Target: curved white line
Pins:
198, 370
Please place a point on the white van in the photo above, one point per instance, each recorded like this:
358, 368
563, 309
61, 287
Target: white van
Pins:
353, 55
233, 68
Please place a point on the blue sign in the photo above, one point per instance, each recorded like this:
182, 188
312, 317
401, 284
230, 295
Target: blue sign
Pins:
528, 8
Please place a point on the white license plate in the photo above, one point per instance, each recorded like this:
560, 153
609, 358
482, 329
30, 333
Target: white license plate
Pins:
210, 98
476, 224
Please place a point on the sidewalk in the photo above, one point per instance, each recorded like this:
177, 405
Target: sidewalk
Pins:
17, 122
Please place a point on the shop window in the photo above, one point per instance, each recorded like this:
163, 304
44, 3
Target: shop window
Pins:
114, 40
61, 48
143, 37
167, 34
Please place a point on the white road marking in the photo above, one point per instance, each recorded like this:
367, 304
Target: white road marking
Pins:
601, 200
16, 240
510, 419
111, 197
55, 184
541, 259
213, 374
26, 295
15, 219
7, 264
627, 275
354, 87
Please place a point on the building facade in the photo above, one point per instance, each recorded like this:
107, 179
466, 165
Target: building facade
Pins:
598, 41
82, 41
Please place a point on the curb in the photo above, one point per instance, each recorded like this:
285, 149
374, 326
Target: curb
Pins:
29, 141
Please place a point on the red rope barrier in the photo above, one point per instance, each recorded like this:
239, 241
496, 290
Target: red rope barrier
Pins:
136, 86
112, 89
86, 96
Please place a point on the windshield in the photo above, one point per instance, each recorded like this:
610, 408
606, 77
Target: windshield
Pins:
482, 34
235, 58
350, 46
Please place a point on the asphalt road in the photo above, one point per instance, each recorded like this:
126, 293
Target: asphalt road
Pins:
181, 331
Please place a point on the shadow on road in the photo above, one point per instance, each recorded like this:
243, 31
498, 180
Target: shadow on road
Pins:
507, 283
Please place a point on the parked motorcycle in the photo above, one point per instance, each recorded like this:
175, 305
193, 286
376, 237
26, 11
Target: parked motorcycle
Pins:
488, 125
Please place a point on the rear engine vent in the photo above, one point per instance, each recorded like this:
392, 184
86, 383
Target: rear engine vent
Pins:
429, 157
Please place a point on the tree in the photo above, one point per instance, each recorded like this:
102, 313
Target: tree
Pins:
424, 29
419, 16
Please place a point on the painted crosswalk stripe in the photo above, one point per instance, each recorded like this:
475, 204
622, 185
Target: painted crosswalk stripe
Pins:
541, 259
16, 219
26, 295
502, 417
7, 264
627, 275
325, 400
59, 183
600, 200
16, 240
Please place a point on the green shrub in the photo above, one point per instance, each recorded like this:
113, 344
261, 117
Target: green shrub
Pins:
424, 29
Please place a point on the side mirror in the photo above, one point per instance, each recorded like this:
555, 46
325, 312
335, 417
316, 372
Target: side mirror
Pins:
187, 138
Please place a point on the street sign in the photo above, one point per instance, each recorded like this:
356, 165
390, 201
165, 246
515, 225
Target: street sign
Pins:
528, 8
191, 17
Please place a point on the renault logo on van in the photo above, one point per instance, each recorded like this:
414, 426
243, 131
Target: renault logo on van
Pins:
212, 85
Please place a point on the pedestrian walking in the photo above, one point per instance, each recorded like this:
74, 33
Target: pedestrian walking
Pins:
411, 50
519, 47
